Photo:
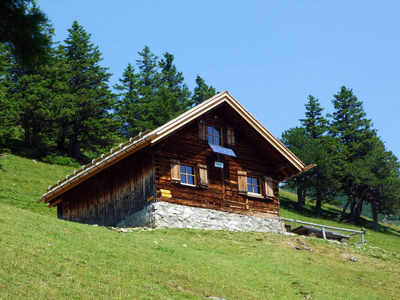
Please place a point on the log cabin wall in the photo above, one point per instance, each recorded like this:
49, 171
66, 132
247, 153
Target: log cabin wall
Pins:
112, 195
185, 147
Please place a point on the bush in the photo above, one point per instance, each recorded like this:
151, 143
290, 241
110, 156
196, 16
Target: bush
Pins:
60, 160
5, 151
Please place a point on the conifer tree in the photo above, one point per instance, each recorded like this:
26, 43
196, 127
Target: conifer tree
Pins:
91, 125
7, 106
32, 93
299, 141
322, 184
311, 144
354, 139
22, 27
314, 123
380, 175
173, 96
153, 96
30, 87
202, 91
148, 84
128, 106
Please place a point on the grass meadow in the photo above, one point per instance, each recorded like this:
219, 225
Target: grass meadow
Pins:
42, 257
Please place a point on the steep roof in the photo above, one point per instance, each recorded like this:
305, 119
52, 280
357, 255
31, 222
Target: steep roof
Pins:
151, 137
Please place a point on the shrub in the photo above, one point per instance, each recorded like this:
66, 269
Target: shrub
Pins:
60, 160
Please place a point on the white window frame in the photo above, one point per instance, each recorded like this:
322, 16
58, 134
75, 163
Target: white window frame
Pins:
213, 135
187, 175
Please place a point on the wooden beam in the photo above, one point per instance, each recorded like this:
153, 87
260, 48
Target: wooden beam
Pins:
54, 203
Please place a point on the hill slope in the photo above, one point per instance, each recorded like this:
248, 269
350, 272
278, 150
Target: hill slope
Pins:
43, 257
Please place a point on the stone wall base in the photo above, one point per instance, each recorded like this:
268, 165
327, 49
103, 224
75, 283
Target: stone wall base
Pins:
167, 215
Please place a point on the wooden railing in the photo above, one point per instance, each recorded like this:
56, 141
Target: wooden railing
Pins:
323, 227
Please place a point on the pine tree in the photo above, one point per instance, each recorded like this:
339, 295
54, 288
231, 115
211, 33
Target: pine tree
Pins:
153, 96
299, 141
383, 181
30, 89
8, 111
32, 93
137, 93
148, 84
22, 28
314, 123
202, 91
149, 75
92, 126
311, 144
128, 106
354, 138
172, 96
321, 182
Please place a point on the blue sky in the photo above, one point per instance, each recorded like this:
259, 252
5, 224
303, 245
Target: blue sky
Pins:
270, 55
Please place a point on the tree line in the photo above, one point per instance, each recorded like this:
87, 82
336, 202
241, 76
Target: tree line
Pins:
351, 159
66, 108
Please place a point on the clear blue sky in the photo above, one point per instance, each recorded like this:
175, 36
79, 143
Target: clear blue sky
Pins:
270, 55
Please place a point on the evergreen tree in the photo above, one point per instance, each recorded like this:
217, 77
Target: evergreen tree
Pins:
153, 96
202, 91
321, 182
30, 88
315, 124
7, 106
148, 84
299, 141
383, 181
91, 125
128, 106
311, 144
31, 91
173, 96
354, 140
22, 27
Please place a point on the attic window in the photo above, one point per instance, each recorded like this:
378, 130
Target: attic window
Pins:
214, 135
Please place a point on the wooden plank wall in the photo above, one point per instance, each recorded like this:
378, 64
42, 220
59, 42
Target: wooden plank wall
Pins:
184, 145
112, 195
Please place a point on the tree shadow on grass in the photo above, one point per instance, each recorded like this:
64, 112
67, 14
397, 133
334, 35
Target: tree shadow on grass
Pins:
328, 212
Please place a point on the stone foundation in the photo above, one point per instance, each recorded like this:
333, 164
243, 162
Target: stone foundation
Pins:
167, 215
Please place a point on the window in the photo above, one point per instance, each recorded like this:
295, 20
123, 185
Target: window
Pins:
187, 175
214, 135
253, 185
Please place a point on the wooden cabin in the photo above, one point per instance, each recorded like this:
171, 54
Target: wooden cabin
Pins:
215, 156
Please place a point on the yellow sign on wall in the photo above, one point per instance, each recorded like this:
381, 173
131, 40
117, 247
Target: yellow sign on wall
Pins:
166, 193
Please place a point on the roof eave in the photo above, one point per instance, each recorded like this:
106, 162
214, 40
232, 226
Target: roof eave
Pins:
95, 167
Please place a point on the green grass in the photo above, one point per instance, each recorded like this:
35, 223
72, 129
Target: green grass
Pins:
42, 257
23, 181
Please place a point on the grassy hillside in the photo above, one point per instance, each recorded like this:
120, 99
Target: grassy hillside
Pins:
43, 257
23, 181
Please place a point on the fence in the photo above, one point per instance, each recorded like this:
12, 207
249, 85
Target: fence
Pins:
323, 227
